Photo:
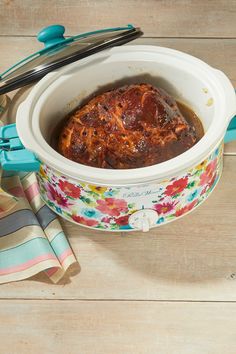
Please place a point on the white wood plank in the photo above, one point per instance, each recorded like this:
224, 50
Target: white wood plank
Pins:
191, 259
201, 258
117, 327
162, 18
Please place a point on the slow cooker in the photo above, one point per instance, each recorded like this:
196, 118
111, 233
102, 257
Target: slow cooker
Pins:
115, 200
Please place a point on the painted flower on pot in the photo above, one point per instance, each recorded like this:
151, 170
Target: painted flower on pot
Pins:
110, 193
70, 189
216, 152
164, 208
176, 187
203, 192
209, 174
42, 172
90, 213
81, 220
97, 189
107, 219
112, 206
213, 181
201, 166
56, 197
160, 220
122, 220
186, 208
193, 195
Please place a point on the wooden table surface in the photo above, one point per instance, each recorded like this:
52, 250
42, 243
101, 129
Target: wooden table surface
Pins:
172, 290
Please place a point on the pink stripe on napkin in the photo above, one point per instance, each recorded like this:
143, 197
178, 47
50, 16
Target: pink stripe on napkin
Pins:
32, 191
17, 191
48, 247
65, 254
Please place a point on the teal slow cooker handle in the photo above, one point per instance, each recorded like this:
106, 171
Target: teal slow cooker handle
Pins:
231, 131
13, 155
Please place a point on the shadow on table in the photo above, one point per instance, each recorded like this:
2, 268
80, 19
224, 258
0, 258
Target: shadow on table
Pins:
71, 272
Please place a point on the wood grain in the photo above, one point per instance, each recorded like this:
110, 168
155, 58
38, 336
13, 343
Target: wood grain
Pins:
191, 259
160, 18
194, 258
117, 327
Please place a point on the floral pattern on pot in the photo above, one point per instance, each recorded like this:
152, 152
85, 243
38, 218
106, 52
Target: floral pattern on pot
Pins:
109, 208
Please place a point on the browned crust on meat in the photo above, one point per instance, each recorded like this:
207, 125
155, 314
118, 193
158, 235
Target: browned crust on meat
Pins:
133, 126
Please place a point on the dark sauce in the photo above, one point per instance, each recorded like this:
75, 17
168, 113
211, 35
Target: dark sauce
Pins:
192, 119
57, 132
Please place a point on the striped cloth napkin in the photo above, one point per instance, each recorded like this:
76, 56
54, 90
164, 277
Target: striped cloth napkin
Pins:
31, 237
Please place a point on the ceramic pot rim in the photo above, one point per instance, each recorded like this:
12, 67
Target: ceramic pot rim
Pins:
225, 108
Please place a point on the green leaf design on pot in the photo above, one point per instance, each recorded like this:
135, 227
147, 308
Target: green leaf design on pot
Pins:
86, 200
191, 185
51, 204
131, 205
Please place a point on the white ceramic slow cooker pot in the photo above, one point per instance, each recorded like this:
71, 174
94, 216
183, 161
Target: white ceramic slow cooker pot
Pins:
132, 199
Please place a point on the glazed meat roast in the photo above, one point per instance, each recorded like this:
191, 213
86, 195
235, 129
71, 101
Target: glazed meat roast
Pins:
129, 127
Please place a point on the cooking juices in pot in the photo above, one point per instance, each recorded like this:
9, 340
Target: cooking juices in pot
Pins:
192, 119
129, 127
